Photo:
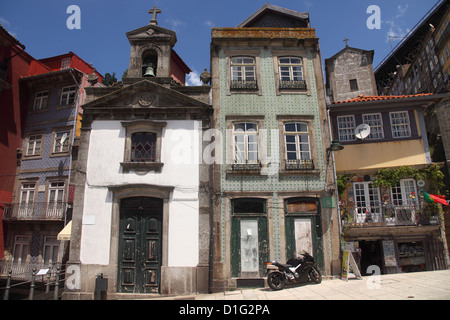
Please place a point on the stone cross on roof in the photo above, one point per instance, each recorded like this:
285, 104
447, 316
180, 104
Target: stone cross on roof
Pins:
346, 40
154, 12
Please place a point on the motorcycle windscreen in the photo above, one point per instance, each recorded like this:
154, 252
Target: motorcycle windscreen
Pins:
303, 236
249, 246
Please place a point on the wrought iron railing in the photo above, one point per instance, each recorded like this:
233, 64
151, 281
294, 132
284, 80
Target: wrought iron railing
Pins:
24, 270
388, 215
35, 211
300, 164
246, 166
293, 84
243, 85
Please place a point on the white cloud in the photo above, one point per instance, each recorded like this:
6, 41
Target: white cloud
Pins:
174, 24
396, 32
209, 23
4, 22
193, 79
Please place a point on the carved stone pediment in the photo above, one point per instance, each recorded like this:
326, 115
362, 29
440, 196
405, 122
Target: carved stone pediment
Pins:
152, 33
146, 99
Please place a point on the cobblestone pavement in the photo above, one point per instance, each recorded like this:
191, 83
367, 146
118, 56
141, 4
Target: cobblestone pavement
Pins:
431, 285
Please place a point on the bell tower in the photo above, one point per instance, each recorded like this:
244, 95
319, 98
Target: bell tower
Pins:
151, 49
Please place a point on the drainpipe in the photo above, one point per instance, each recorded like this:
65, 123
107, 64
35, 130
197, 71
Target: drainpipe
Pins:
211, 215
77, 105
335, 182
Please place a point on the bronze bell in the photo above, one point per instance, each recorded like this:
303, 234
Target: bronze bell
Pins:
149, 72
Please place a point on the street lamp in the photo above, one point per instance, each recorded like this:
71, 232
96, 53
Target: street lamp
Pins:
335, 146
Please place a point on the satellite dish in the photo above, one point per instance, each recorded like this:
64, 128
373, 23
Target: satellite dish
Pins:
362, 131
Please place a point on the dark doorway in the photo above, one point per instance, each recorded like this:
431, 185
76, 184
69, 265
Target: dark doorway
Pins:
371, 254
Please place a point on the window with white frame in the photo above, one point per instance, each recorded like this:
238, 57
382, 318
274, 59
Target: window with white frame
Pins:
27, 192
375, 122
55, 199
291, 73
40, 101
346, 127
297, 146
51, 248
243, 73
243, 69
21, 248
368, 202
245, 137
61, 141
291, 68
68, 95
56, 192
400, 125
404, 193
34, 144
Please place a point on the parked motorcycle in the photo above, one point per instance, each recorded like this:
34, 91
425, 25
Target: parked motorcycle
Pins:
300, 269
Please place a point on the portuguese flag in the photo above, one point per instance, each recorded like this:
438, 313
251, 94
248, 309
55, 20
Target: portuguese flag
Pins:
430, 198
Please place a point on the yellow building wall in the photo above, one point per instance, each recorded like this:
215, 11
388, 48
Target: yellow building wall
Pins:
373, 156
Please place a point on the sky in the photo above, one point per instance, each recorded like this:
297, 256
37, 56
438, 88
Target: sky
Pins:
41, 25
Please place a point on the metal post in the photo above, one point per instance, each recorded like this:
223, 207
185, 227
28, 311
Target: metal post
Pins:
56, 293
8, 285
47, 285
33, 276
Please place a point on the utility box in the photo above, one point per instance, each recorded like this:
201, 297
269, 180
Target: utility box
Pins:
101, 287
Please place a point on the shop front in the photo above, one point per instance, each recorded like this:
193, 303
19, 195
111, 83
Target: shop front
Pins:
396, 251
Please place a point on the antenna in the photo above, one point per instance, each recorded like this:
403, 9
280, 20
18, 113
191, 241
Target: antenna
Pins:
362, 131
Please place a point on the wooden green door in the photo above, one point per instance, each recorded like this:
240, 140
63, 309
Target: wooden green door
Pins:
140, 245
249, 246
303, 228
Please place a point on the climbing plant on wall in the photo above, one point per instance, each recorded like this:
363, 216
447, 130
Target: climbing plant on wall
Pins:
391, 177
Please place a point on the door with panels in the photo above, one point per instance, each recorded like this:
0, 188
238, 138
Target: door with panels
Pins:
140, 235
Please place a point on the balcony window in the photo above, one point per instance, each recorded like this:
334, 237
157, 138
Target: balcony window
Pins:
291, 73
297, 146
56, 204
243, 73
245, 137
368, 202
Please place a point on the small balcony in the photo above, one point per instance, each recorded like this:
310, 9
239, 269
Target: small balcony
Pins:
243, 85
388, 215
35, 211
293, 85
247, 166
299, 165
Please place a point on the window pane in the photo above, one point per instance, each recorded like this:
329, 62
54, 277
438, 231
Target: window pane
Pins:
289, 127
143, 147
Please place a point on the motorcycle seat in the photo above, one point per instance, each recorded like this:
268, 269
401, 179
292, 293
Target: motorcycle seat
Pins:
285, 265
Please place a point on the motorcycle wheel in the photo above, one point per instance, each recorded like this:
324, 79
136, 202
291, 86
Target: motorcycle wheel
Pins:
315, 275
276, 280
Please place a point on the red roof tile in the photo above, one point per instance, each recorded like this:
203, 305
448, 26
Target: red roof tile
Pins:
363, 98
